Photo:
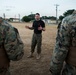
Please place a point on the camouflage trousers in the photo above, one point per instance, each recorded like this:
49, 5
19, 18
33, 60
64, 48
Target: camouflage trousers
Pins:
4, 71
69, 70
36, 40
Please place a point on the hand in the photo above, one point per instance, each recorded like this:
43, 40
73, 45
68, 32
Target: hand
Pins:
27, 27
43, 29
40, 28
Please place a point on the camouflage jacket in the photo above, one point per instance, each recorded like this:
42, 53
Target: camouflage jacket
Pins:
63, 42
12, 44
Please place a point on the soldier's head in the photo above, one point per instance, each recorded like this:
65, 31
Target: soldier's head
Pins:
1, 19
37, 16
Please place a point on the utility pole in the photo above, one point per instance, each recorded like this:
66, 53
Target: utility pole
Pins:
31, 13
4, 16
19, 17
56, 13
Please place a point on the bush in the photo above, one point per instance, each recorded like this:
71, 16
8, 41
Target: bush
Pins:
26, 19
68, 12
61, 17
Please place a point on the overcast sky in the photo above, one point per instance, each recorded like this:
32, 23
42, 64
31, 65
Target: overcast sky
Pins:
45, 7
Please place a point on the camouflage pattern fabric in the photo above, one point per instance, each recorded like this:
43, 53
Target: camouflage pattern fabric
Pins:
11, 41
36, 40
69, 70
63, 42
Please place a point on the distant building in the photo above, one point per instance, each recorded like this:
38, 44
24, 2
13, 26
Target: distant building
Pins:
49, 21
15, 20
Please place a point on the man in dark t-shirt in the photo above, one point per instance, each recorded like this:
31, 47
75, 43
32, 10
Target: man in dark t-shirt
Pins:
38, 26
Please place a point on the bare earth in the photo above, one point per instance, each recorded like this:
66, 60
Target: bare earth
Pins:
32, 66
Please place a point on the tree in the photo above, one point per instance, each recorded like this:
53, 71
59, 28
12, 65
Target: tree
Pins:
44, 17
53, 18
68, 12
48, 17
31, 16
10, 19
61, 17
26, 19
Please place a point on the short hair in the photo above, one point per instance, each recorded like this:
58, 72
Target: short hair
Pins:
37, 14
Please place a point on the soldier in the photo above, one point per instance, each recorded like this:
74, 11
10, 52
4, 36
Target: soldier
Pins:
11, 46
65, 48
38, 26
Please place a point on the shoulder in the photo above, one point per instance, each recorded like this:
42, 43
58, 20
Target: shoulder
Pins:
6, 26
69, 19
42, 22
5, 23
66, 21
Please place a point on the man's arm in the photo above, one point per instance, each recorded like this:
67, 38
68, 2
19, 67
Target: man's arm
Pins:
61, 49
43, 27
31, 28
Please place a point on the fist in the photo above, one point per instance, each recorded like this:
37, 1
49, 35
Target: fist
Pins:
40, 28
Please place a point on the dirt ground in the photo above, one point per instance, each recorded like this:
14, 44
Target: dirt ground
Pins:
32, 66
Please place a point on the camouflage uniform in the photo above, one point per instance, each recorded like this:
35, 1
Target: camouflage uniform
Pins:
37, 36
11, 42
36, 39
63, 42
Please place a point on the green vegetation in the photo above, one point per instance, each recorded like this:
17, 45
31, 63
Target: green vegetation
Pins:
67, 13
